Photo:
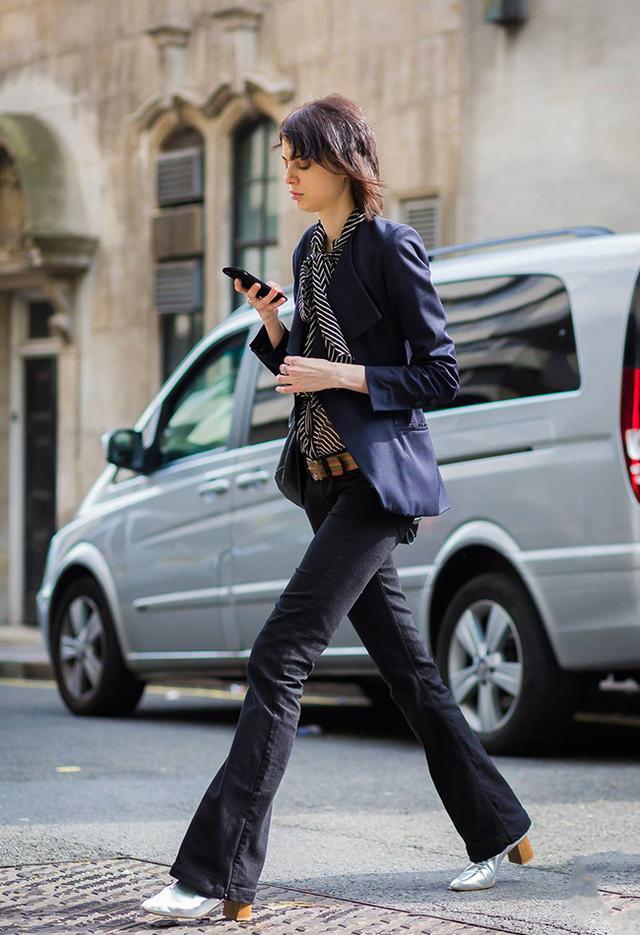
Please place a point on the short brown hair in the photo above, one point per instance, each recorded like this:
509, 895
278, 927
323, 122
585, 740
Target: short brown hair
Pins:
332, 131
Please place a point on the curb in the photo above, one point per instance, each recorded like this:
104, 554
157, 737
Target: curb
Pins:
23, 653
26, 668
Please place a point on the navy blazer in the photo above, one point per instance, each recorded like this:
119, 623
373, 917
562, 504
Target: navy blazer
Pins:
394, 324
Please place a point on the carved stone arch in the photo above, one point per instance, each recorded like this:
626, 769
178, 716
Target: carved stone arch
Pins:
254, 86
55, 223
45, 241
169, 120
251, 106
181, 137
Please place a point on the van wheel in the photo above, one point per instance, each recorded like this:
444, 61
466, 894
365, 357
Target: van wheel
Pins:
494, 655
89, 669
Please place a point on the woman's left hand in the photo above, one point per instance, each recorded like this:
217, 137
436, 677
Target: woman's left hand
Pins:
306, 375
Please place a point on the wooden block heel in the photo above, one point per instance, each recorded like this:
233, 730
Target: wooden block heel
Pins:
522, 853
239, 912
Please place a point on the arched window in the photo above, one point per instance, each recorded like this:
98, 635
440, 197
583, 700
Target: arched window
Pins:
257, 177
178, 244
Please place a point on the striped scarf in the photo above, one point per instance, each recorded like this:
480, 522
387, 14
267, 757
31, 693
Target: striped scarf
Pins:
315, 432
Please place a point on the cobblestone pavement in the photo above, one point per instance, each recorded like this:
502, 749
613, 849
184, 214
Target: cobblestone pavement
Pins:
104, 896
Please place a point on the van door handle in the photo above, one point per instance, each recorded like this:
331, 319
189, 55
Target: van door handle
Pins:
251, 477
215, 485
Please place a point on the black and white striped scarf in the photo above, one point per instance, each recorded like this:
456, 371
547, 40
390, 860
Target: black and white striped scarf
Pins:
315, 431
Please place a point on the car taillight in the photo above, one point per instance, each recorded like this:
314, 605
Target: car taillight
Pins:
630, 394
630, 424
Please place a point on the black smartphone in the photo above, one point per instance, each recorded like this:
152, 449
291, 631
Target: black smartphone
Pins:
248, 279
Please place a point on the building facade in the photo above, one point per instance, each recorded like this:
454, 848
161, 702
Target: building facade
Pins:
136, 161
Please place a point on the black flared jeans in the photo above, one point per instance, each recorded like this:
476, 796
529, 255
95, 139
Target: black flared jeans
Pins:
347, 570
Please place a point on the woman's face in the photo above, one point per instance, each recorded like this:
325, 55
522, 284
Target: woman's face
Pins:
318, 188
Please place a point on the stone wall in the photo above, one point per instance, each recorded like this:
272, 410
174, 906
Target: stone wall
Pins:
90, 69
549, 120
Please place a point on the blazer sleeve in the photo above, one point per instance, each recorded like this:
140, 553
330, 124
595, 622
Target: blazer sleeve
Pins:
270, 356
432, 373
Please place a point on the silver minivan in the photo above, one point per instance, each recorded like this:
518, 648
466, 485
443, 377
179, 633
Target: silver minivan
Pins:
527, 589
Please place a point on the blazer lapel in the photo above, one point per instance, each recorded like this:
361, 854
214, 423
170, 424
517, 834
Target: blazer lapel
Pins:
352, 305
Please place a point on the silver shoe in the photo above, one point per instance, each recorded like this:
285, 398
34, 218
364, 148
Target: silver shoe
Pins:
178, 901
482, 875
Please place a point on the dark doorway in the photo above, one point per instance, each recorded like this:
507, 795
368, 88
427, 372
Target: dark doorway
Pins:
39, 473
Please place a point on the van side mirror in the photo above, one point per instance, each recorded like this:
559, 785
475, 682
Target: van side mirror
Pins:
124, 448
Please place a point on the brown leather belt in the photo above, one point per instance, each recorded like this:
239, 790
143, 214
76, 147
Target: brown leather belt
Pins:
331, 465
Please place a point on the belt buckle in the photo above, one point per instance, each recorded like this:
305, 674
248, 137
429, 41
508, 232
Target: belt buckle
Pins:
314, 470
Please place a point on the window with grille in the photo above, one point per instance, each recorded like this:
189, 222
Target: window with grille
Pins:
423, 214
178, 245
257, 178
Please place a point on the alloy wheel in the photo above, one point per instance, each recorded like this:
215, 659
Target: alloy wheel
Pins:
82, 648
485, 665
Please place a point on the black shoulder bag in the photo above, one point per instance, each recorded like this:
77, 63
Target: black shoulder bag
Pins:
291, 471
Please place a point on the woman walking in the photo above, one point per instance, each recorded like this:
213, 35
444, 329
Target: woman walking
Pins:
363, 290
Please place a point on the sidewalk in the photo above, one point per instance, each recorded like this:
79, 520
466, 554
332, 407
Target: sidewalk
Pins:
23, 653
105, 895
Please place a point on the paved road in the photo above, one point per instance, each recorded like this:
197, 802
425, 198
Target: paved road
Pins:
356, 818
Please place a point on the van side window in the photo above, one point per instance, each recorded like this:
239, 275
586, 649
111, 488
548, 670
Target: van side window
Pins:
198, 418
270, 410
513, 335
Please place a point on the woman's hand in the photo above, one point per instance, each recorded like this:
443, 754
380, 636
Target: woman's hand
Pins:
266, 308
307, 374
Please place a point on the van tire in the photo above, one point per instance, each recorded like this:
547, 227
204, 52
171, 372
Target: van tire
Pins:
542, 710
116, 691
